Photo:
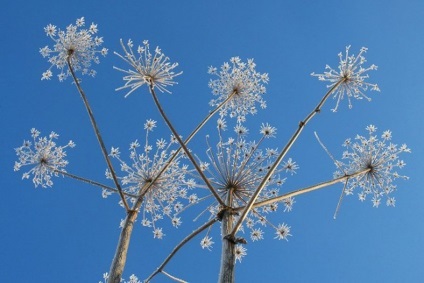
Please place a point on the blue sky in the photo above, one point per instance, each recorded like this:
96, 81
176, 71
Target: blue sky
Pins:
68, 233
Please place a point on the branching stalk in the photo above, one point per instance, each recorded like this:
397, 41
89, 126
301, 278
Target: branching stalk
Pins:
277, 162
97, 132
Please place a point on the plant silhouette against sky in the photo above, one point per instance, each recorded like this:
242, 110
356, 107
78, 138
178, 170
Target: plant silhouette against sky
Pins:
236, 180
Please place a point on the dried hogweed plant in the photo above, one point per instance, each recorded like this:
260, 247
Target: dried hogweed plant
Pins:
237, 181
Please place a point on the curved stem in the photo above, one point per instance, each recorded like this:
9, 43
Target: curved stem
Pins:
179, 246
283, 153
97, 132
189, 155
173, 277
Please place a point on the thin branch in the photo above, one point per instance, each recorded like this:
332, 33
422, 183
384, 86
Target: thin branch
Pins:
189, 155
97, 132
173, 277
328, 152
180, 245
306, 190
340, 200
91, 182
277, 162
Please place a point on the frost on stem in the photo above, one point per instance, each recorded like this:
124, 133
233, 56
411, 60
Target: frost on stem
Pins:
45, 157
146, 68
237, 167
351, 77
380, 156
243, 82
164, 195
78, 44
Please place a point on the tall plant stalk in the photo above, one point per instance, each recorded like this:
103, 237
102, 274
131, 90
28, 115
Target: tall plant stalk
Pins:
228, 256
97, 132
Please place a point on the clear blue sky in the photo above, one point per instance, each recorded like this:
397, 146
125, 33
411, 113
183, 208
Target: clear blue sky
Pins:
68, 233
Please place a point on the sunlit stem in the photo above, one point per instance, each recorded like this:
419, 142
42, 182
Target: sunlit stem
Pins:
182, 144
88, 181
173, 277
307, 189
97, 132
179, 246
283, 153
228, 256
120, 258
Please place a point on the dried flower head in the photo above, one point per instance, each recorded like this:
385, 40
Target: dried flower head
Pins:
147, 68
350, 77
45, 157
206, 243
163, 197
243, 83
381, 157
77, 44
240, 252
236, 168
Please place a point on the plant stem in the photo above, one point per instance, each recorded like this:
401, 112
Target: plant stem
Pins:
180, 245
182, 144
277, 162
173, 277
97, 132
195, 131
91, 182
306, 190
228, 257
118, 263
120, 258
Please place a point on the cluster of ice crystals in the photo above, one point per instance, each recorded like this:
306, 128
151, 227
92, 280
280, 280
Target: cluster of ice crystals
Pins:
350, 77
81, 46
381, 157
147, 68
163, 198
44, 156
243, 83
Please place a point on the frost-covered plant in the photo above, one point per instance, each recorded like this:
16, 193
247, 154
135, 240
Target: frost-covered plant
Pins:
381, 157
243, 179
162, 198
350, 79
77, 45
147, 68
242, 83
47, 158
